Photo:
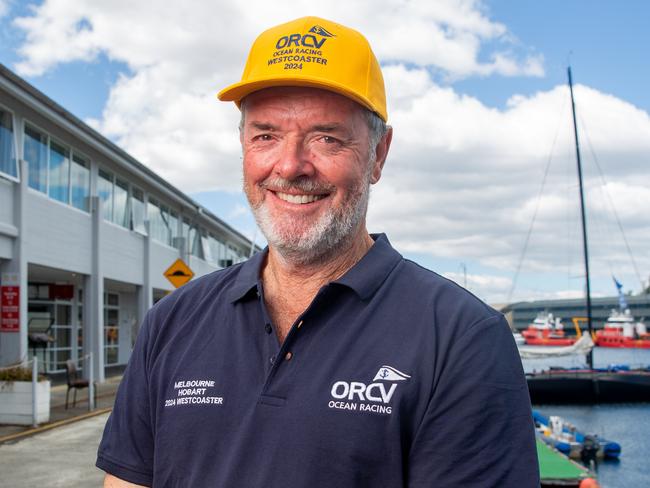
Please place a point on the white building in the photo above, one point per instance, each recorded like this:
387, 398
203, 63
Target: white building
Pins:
86, 233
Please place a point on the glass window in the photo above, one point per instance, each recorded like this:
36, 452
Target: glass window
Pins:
111, 328
173, 226
138, 211
197, 249
7, 148
59, 182
216, 250
36, 156
120, 204
186, 234
242, 256
105, 193
158, 222
232, 255
205, 247
79, 182
228, 258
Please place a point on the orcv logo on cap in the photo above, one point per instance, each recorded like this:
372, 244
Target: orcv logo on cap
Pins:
316, 53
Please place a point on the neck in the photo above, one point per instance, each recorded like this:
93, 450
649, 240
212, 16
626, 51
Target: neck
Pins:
320, 271
290, 287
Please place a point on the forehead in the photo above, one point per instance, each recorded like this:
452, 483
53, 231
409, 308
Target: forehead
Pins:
296, 102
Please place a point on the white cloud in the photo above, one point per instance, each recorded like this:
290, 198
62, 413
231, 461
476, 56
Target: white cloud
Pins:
4, 7
482, 285
447, 34
462, 178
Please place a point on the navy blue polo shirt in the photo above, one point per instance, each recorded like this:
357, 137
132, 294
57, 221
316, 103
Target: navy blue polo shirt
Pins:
394, 376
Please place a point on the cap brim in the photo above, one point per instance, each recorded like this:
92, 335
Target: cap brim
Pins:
236, 92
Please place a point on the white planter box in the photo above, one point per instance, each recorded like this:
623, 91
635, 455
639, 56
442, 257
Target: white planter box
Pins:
16, 402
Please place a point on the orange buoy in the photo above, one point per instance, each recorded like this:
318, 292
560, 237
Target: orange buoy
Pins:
589, 483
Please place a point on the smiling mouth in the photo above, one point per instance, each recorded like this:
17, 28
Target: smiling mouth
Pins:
299, 199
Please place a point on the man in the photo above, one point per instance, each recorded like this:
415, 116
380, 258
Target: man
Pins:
328, 360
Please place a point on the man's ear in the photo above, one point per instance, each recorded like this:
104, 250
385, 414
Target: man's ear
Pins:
381, 152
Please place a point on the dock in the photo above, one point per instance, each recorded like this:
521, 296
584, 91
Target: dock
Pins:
557, 470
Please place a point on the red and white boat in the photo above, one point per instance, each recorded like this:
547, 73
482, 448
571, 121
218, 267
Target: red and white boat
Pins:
622, 330
547, 330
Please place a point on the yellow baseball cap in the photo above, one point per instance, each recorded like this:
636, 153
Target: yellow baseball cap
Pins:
313, 52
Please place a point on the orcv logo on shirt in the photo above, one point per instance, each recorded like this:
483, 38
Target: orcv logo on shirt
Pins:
388, 373
375, 397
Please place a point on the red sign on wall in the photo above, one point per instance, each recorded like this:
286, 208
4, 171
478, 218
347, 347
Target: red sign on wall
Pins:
9, 308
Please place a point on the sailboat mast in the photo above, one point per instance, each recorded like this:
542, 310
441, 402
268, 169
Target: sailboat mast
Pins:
590, 358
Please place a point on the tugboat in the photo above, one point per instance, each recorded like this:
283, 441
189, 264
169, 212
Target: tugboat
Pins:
547, 331
621, 329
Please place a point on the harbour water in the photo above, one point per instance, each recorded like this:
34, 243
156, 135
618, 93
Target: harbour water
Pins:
626, 423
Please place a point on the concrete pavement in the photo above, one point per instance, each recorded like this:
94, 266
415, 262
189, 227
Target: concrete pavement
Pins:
62, 452
59, 457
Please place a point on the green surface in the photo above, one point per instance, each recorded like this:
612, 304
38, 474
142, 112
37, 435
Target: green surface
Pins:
554, 465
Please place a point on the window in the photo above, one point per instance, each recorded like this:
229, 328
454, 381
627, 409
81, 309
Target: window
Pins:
121, 203
56, 170
159, 224
193, 239
228, 256
111, 328
35, 149
105, 193
195, 242
116, 200
138, 211
79, 182
59, 178
8, 163
217, 250
205, 247
173, 226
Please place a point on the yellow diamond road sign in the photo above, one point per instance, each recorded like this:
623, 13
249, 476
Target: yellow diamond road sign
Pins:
179, 273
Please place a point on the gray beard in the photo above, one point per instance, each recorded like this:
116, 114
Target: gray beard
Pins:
323, 238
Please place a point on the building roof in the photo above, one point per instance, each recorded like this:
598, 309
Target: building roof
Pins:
643, 299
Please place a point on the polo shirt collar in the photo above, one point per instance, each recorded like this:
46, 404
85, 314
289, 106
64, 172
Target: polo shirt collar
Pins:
364, 278
248, 276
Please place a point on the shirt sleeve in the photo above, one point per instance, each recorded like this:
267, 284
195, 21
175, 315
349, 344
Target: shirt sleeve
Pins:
127, 447
478, 429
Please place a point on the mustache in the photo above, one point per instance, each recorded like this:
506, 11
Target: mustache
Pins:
302, 184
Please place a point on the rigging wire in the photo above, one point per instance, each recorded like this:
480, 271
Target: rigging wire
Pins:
537, 204
611, 203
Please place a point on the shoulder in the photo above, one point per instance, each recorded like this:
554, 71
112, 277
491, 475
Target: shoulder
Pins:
441, 304
191, 303
217, 282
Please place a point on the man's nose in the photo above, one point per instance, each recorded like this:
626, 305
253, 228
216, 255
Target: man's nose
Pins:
294, 160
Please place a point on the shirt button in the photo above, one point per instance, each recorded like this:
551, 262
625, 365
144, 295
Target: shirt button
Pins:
288, 356
272, 359
268, 328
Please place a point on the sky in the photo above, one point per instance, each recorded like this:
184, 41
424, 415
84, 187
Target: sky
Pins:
480, 185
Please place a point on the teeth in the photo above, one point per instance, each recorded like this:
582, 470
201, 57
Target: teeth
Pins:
298, 198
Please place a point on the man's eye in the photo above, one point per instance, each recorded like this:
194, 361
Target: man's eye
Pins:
262, 137
330, 140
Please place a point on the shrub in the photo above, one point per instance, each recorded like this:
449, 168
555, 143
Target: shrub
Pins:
17, 373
